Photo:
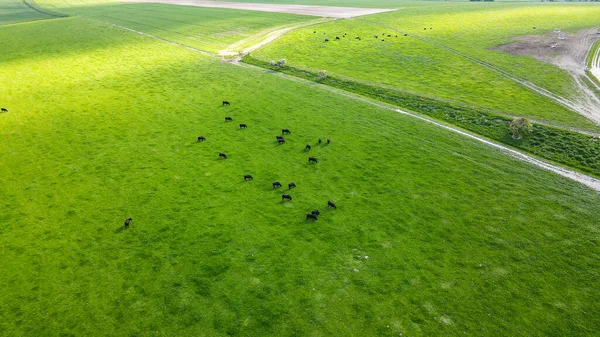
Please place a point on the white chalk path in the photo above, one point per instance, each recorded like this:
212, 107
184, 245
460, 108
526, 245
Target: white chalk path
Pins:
595, 66
323, 11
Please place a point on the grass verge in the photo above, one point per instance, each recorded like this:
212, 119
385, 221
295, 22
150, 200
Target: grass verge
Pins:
571, 148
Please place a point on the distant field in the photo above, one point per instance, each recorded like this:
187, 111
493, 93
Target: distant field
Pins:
434, 235
14, 11
208, 29
413, 66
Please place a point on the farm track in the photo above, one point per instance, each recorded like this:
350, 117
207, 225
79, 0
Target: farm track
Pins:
595, 66
584, 179
269, 35
558, 99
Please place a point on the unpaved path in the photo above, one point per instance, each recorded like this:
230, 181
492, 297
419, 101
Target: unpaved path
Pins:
568, 52
265, 37
324, 11
586, 180
595, 66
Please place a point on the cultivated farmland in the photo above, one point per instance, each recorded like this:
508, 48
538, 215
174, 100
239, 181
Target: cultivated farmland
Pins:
434, 233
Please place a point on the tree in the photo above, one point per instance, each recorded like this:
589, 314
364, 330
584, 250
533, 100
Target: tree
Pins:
520, 127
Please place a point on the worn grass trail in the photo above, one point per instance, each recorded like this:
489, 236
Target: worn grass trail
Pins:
434, 233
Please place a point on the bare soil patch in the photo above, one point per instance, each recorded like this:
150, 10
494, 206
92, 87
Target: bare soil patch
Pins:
323, 11
566, 51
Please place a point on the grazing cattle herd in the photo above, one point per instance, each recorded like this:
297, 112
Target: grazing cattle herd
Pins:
276, 184
376, 36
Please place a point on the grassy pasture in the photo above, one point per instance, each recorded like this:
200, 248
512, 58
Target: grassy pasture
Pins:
14, 11
208, 29
475, 29
425, 68
102, 126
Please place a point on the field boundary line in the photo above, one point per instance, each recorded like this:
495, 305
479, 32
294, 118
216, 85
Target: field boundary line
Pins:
152, 36
39, 9
542, 91
584, 179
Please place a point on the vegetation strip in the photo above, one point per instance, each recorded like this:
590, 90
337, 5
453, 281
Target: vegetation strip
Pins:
571, 148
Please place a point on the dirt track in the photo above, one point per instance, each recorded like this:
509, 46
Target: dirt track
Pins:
568, 52
323, 11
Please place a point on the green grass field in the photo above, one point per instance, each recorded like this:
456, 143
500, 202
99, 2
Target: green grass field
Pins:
421, 63
434, 234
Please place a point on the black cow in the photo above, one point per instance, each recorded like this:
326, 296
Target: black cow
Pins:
424, 28
222, 155
331, 204
337, 37
326, 40
291, 185
358, 37
286, 197
4, 110
312, 160
315, 212
284, 131
201, 138
389, 35
276, 184
226, 103
248, 177
307, 148
243, 126
319, 141
311, 216
405, 34
280, 140
315, 32
228, 119
127, 222
376, 36
382, 40
328, 140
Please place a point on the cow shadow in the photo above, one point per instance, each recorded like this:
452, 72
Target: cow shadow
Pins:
120, 229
